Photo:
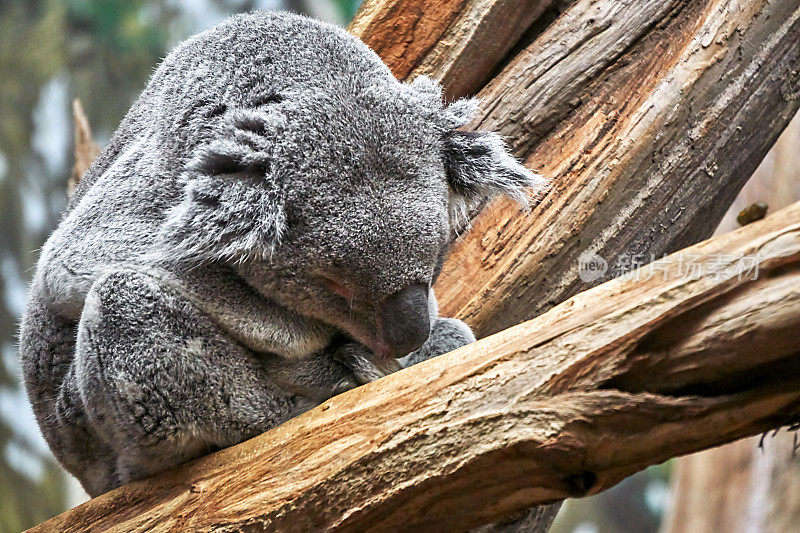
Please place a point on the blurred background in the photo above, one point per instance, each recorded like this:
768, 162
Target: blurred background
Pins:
103, 51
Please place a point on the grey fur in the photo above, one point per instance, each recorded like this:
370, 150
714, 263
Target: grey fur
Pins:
178, 307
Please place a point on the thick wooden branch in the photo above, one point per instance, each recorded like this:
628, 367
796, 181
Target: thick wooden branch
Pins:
649, 116
460, 43
687, 354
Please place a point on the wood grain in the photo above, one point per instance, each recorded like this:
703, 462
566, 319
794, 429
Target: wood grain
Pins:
642, 368
744, 486
460, 43
648, 116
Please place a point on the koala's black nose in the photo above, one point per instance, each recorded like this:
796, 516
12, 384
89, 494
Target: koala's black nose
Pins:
405, 320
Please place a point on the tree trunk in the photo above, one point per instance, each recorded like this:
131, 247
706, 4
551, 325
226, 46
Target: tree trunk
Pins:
648, 116
741, 487
666, 128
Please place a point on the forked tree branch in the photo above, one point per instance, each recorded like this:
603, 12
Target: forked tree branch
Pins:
687, 354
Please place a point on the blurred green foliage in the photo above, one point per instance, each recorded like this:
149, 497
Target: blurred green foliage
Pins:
347, 8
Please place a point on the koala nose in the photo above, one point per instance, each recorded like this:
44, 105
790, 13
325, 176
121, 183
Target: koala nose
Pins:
405, 320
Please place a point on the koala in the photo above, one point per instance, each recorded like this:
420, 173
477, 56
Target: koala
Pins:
261, 233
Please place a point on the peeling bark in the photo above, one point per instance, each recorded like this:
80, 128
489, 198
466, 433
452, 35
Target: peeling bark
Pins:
457, 42
743, 487
648, 151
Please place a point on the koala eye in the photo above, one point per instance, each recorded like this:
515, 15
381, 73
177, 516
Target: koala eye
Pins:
336, 286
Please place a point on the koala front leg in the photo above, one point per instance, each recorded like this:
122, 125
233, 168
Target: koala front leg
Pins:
317, 377
160, 383
447, 334
252, 320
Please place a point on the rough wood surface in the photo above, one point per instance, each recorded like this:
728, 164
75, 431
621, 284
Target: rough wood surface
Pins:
665, 361
457, 42
743, 487
646, 114
649, 116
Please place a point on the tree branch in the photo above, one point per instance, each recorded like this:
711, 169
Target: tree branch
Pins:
457, 42
615, 379
649, 116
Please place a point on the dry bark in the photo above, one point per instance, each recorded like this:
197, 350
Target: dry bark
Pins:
648, 149
457, 42
646, 114
86, 150
741, 487
628, 374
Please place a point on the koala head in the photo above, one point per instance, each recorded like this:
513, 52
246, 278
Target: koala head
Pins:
340, 202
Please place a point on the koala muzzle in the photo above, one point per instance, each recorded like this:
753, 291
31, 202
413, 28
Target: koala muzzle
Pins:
405, 320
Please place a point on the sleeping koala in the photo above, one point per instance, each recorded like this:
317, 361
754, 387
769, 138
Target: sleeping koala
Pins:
261, 233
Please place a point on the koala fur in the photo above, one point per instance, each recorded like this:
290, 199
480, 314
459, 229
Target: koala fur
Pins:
272, 206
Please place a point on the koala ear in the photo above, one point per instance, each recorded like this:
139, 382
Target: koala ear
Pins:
232, 207
479, 167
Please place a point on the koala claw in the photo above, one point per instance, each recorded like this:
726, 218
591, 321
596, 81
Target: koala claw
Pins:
365, 365
344, 386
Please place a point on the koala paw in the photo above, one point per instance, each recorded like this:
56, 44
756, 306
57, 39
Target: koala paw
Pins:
366, 366
450, 334
447, 334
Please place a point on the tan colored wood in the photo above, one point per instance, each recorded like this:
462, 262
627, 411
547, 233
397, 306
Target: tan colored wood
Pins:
619, 377
457, 42
648, 116
86, 150
741, 488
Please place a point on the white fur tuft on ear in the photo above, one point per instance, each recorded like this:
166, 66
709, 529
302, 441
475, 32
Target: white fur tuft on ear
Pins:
225, 219
479, 167
232, 209
452, 116
240, 144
